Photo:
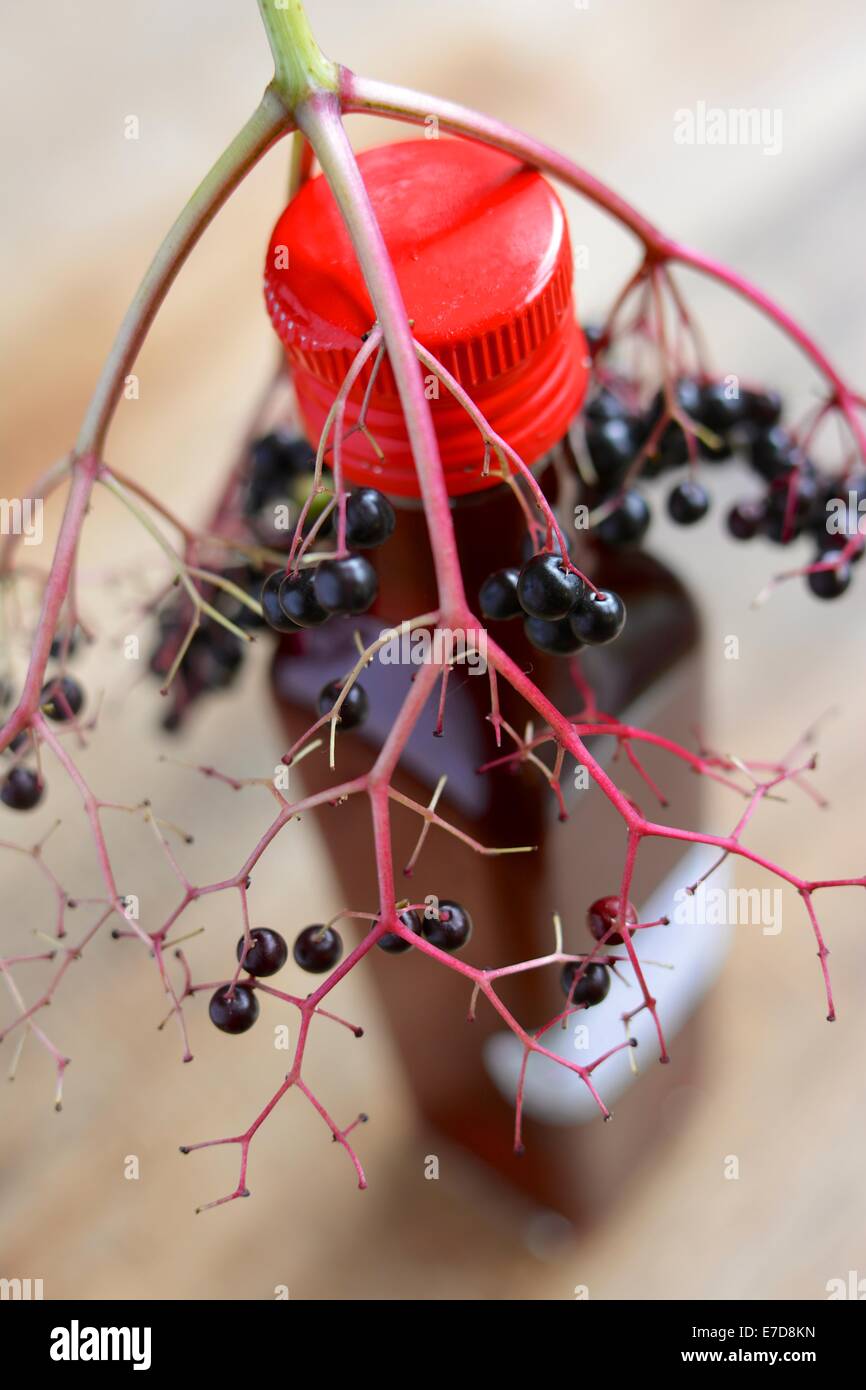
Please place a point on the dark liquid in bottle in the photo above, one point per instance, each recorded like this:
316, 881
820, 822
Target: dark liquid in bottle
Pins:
571, 1168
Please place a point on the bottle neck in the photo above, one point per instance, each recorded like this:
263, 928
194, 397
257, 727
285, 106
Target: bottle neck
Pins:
490, 529
529, 402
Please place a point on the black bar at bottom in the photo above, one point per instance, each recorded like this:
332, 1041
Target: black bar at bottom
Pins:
66, 1338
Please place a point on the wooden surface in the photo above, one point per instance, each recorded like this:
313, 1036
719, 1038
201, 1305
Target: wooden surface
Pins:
781, 1089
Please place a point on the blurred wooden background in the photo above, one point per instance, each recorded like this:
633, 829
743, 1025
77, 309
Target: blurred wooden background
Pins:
83, 210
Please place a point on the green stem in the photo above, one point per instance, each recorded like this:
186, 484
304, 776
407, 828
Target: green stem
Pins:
182, 571
300, 165
300, 66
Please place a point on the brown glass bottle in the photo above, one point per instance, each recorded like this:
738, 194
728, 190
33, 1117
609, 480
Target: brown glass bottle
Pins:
570, 1168
481, 250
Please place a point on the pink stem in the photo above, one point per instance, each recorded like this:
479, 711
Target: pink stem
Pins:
319, 119
360, 94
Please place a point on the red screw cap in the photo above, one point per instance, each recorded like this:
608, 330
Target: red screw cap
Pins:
481, 250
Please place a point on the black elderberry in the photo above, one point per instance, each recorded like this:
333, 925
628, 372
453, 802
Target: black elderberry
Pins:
688, 502
172, 721
172, 629
592, 986
354, 708
627, 524
557, 639
276, 460
830, 583
370, 518
234, 1012
395, 945
21, 789
268, 952
672, 448
298, 600
745, 519
687, 393
777, 529
604, 913
604, 405
773, 453
317, 949
792, 501
829, 540
65, 642
689, 396
762, 408
214, 658
451, 930
598, 617
61, 699
347, 585
546, 589
275, 615
212, 661
612, 445
796, 494
720, 408
497, 597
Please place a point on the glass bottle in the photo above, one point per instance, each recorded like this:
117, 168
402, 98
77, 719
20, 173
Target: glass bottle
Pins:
481, 249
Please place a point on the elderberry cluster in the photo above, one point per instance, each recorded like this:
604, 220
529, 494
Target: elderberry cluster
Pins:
338, 586
275, 485
799, 501
593, 981
728, 421
214, 657
317, 949
278, 483
560, 612
616, 432
342, 585
61, 700
274, 490
235, 1009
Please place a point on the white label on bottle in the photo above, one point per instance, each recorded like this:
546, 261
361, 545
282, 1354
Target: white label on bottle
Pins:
696, 950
